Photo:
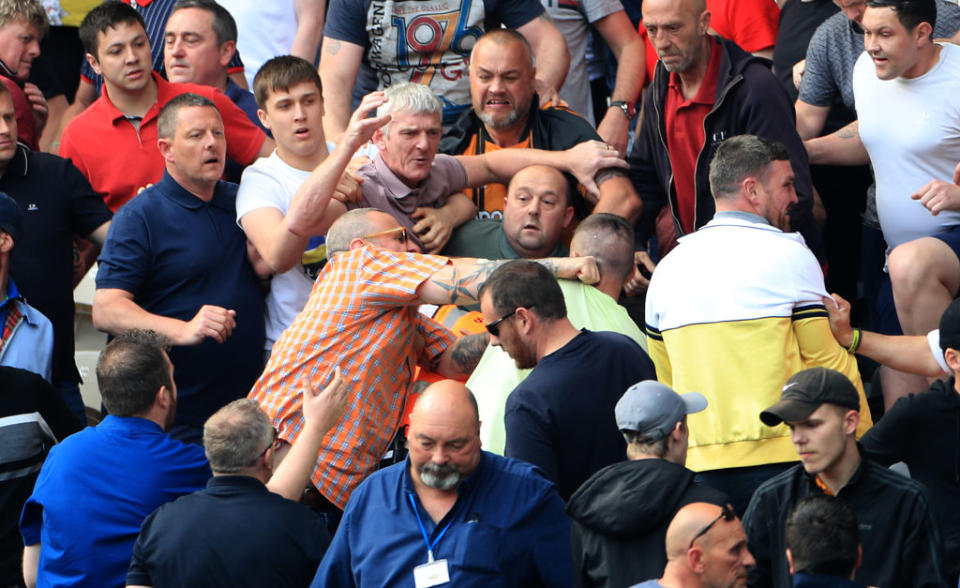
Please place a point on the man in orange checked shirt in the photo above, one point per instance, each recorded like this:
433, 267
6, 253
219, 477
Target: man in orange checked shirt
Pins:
362, 315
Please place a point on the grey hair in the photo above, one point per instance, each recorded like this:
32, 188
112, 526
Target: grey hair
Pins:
167, 121
223, 25
351, 225
236, 435
409, 97
741, 157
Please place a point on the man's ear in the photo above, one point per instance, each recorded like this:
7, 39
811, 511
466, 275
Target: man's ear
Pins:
704, 22
356, 243
568, 216
264, 119
6, 242
163, 397
93, 63
952, 357
851, 420
923, 30
379, 139
790, 562
165, 148
227, 50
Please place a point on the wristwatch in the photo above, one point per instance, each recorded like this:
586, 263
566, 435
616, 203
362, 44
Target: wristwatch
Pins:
627, 108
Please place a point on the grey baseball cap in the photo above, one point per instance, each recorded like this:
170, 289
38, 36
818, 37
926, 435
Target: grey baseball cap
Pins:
653, 409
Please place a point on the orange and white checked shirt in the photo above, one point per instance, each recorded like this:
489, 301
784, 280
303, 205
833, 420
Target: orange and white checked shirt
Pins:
359, 316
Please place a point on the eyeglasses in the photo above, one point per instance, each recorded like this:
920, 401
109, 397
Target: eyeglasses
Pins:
726, 513
494, 327
401, 230
273, 442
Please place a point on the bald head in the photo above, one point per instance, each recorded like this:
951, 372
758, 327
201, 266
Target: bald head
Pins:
447, 401
608, 238
685, 525
679, 32
503, 37
444, 436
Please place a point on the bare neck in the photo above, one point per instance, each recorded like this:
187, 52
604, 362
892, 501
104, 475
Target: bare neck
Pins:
135, 103
304, 162
202, 190
508, 136
929, 56
436, 502
836, 477
692, 79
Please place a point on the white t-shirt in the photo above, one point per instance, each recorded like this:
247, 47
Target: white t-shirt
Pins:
269, 182
911, 129
266, 27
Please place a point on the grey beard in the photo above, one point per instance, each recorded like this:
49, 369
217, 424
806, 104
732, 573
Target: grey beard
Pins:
440, 477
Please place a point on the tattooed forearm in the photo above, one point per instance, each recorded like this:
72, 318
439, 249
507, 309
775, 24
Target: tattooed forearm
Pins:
464, 287
850, 131
467, 351
610, 172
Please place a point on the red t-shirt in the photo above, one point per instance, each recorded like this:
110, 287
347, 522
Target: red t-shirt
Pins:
684, 124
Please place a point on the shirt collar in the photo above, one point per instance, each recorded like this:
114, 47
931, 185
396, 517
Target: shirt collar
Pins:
177, 193
12, 294
152, 112
740, 215
7, 72
18, 165
232, 482
389, 180
129, 424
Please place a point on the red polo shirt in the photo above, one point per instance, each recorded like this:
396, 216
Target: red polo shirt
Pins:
118, 159
684, 123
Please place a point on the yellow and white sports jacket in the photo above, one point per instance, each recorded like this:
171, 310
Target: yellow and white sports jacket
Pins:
732, 313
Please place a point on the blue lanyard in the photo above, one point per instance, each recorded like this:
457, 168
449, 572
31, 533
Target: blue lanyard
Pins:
423, 530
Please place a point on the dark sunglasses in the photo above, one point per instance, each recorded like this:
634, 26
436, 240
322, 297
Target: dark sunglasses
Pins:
273, 442
726, 513
401, 230
494, 327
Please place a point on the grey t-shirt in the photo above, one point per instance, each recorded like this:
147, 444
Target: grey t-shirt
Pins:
834, 50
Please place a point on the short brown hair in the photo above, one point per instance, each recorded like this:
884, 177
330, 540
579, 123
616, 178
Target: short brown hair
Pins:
280, 73
30, 11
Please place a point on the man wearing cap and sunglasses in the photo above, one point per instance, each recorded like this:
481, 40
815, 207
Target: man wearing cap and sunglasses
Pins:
899, 535
624, 509
706, 548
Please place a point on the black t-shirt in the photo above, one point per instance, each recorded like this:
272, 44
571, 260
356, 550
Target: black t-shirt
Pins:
25, 442
561, 418
798, 21
56, 202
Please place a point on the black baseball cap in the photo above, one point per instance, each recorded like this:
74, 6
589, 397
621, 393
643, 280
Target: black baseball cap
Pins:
806, 390
950, 326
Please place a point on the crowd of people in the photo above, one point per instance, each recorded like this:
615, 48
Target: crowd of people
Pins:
522, 293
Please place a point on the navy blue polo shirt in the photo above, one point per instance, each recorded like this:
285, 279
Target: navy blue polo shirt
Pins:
175, 253
234, 533
56, 202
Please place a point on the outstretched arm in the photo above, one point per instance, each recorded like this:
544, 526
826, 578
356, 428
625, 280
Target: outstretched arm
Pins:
280, 239
905, 353
843, 147
460, 282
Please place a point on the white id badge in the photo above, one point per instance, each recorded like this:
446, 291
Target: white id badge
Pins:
430, 574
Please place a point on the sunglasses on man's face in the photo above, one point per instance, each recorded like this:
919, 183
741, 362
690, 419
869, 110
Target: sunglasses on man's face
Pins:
402, 237
726, 513
494, 327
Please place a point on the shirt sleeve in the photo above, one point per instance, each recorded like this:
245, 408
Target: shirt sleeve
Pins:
449, 174
125, 259
751, 24
392, 279
346, 21
818, 88
598, 9
760, 527
886, 441
139, 572
512, 14
527, 438
437, 338
87, 209
258, 189
244, 138
922, 556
